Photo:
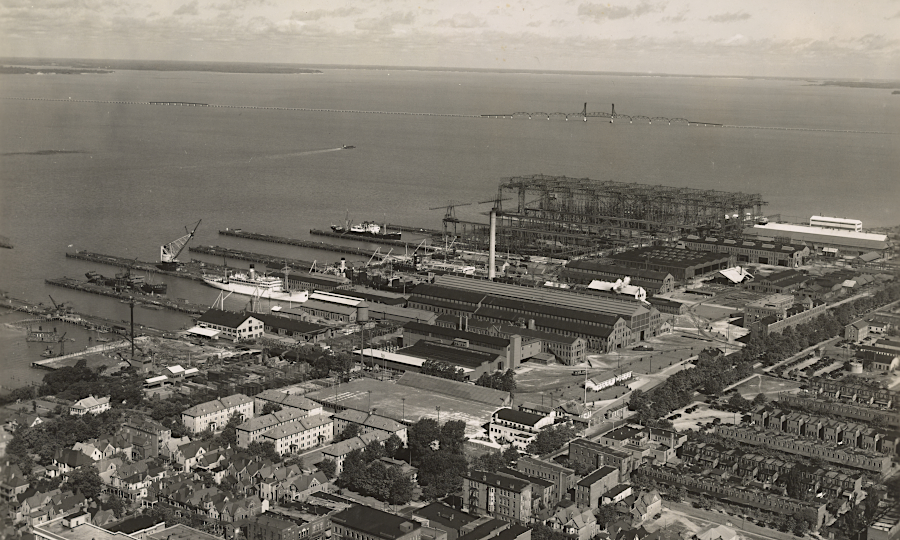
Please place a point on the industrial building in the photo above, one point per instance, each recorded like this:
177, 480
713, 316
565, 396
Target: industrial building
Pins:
683, 264
750, 251
822, 241
584, 271
515, 348
487, 299
569, 350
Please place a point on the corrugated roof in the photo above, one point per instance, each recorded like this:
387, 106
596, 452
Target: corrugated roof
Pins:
450, 333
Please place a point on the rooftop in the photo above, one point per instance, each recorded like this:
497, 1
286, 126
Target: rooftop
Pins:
375, 522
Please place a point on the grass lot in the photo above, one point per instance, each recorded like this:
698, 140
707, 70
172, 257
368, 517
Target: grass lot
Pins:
770, 386
387, 399
702, 415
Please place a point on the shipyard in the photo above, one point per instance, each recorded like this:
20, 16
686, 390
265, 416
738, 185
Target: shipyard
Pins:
468, 272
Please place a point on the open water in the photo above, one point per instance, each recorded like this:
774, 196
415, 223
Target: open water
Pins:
123, 179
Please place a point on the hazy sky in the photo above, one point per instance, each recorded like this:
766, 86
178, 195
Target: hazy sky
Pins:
817, 38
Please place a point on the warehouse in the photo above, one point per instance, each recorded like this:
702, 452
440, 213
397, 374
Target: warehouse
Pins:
514, 349
681, 263
750, 251
583, 272
642, 319
822, 241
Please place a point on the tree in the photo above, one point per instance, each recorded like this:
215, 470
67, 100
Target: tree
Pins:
87, 481
270, 407
352, 430
264, 450
373, 451
738, 402
329, 467
115, 504
401, 491
436, 368
229, 432
759, 400
421, 437
392, 445
606, 514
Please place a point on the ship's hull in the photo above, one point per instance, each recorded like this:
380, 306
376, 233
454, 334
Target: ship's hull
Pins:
249, 290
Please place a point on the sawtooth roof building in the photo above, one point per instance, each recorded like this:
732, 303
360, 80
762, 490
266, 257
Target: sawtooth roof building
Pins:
683, 264
750, 251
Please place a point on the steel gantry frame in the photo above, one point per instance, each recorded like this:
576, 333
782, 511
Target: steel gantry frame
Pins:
559, 215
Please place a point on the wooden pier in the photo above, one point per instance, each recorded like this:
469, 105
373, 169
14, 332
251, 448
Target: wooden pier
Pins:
139, 298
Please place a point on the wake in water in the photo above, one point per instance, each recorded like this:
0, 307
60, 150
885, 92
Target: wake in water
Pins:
297, 154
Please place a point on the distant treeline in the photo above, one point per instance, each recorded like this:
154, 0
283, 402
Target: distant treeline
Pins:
78, 66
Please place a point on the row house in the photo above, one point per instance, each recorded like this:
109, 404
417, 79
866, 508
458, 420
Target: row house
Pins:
253, 428
368, 423
834, 432
286, 401
814, 511
857, 393
851, 457
767, 470
300, 434
216, 413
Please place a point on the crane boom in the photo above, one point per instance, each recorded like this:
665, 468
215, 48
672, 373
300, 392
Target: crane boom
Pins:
168, 254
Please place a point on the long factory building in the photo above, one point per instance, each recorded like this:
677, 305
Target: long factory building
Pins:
821, 240
605, 323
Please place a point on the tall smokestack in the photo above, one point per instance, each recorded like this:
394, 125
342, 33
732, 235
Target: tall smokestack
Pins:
493, 249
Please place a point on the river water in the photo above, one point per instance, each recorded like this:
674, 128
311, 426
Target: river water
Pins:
123, 179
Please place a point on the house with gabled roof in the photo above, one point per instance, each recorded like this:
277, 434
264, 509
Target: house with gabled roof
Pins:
576, 523
216, 413
67, 459
232, 325
91, 405
338, 452
299, 488
368, 423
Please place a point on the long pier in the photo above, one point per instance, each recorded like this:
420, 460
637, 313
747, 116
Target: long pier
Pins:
143, 299
417, 230
366, 239
271, 261
349, 250
60, 361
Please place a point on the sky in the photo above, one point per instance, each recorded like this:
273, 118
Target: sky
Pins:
785, 38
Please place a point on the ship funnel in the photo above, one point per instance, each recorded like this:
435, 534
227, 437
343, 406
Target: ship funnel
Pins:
343, 264
252, 272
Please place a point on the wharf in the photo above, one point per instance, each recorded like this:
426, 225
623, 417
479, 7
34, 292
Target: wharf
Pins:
366, 239
311, 244
271, 262
417, 230
142, 299
58, 362
194, 270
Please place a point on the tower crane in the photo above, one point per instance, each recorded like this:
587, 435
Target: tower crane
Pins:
168, 254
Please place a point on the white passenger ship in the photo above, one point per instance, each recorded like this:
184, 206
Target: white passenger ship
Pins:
253, 284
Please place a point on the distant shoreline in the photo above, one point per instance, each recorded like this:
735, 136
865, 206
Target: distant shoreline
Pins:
75, 66
289, 68
18, 70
